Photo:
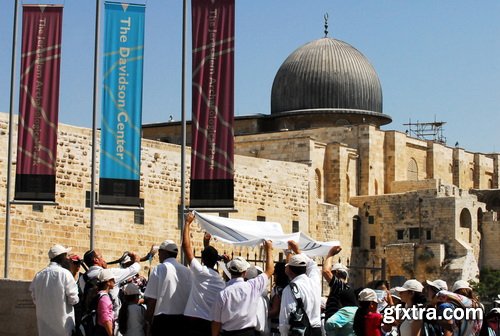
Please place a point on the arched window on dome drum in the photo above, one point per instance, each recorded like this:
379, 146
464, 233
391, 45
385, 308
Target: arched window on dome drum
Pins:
412, 173
318, 184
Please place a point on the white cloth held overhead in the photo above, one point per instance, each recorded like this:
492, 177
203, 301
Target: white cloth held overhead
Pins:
251, 233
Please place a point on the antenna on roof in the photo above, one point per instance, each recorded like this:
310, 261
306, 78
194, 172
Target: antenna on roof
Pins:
326, 24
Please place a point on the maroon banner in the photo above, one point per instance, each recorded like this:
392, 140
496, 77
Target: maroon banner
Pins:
38, 102
212, 156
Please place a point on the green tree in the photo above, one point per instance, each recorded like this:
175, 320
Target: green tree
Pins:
488, 286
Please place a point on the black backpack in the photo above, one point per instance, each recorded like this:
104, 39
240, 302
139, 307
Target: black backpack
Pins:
298, 320
85, 310
88, 323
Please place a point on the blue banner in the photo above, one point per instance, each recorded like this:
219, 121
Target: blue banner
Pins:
121, 104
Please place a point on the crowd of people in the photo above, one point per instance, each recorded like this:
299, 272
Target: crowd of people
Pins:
283, 298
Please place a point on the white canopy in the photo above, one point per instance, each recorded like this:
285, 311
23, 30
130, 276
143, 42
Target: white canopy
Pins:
251, 233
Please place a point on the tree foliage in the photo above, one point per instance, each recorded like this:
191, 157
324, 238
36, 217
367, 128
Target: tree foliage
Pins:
488, 287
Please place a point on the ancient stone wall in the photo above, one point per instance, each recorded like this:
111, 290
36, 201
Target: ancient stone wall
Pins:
277, 190
420, 218
490, 241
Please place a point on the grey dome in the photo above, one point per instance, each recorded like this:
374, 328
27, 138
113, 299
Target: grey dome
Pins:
327, 75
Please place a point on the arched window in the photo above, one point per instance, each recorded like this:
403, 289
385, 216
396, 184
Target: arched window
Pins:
465, 218
412, 174
318, 183
376, 187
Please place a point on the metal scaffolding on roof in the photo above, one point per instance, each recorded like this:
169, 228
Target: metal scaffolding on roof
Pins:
427, 130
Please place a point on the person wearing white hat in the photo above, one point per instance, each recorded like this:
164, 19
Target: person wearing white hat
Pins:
437, 284
336, 277
96, 263
460, 284
367, 321
54, 292
167, 292
305, 277
491, 326
105, 317
131, 321
411, 294
207, 283
235, 308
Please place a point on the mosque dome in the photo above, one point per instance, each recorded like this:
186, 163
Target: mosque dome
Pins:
328, 76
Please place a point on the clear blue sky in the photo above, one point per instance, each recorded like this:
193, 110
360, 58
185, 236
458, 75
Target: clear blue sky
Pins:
435, 59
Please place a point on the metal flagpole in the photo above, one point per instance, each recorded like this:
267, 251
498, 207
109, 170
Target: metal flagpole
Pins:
9, 146
94, 124
183, 118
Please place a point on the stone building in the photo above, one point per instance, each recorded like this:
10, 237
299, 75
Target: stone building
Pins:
319, 163
402, 207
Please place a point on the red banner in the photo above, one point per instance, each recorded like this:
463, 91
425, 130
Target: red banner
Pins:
39, 102
212, 157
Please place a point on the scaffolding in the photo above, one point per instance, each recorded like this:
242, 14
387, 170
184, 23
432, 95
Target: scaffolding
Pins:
427, 130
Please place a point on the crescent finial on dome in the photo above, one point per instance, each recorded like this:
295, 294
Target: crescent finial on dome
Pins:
326, 24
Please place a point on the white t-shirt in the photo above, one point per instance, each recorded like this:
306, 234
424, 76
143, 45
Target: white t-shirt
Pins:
207, 284
236, 305
169, 284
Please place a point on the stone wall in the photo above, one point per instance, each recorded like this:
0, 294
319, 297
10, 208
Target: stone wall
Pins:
17, 310
393, 225
277, 190
490, 240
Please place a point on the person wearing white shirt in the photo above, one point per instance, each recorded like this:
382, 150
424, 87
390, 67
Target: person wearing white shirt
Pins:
304, 273
207, 283
236, 306
262, 327
96, 263
54, 292
167, 293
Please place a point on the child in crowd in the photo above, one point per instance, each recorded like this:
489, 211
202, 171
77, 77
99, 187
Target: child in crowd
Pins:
367, 321
105, 314
131, 320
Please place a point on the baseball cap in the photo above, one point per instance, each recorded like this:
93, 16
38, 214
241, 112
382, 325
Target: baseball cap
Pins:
298, 260
395, 294
438, 284
170, 246
494, 311
105, 275
238, 265
57, 250
131, 289
368, 294
75, 259
413, 285
253, 272
460, 284
339, 267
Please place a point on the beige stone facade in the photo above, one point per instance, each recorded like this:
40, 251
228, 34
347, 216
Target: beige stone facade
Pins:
400, 206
